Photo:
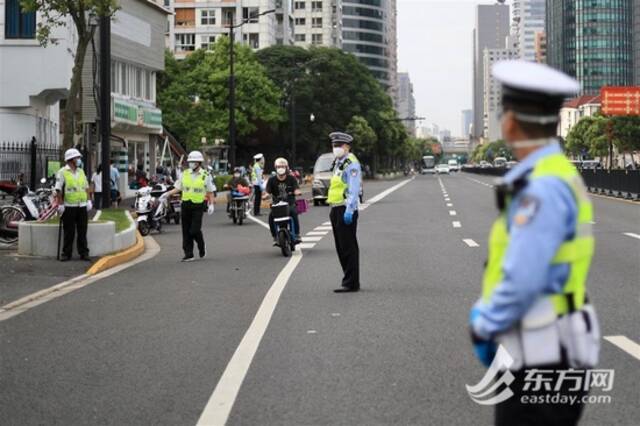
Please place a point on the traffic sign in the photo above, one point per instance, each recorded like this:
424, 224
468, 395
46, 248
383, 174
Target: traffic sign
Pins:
621, 100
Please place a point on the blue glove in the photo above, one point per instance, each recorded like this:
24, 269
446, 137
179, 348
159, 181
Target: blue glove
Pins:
348, 217
485, 350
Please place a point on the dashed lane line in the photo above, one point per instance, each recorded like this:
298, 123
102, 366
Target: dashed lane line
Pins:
470, 242
452, 213
456, 224
323, 228
306, 246
315, 233
311, 239
626, 344
449, 205
632, 235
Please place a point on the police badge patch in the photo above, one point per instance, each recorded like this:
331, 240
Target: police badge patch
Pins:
527, 209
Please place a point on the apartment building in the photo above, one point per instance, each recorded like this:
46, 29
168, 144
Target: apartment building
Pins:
492, 97
317, 23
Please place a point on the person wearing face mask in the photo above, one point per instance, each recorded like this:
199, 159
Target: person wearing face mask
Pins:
72, 191
284, 187
344, 191
257, 181
196, 185
236, 180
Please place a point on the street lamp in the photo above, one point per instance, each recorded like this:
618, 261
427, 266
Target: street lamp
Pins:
232, 87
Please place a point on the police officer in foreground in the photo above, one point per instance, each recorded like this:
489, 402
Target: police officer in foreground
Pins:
534, 300
344, 191
257, 181
197, 187
72, 190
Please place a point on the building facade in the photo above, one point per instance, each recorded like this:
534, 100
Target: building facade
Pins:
406, 102
528, 18
196, 25
492, 97
33, 79
317, 22
575, 109
541, 47
491, 31
466, 118
591, 40
636, 43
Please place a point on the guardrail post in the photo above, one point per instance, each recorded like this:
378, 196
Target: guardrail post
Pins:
34, 156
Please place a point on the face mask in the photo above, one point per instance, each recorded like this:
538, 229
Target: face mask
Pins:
236, 175
281, 171
79, 163
338, 151
194, 166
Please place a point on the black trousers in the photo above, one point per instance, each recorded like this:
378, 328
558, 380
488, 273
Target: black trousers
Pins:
97, 200
192, 227
514, 411
293, 211
75, 219
347, 246
257, 192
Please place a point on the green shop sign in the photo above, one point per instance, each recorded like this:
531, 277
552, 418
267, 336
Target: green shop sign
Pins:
142, 116
124, 112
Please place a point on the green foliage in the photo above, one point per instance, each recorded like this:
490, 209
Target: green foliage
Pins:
489, 151
364, 137
194, 94
118, 216
221, 181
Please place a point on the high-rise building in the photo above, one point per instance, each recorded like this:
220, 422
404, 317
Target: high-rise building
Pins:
368, 31
466, 120
406, 102
636, 42
491, 31
541, 47
196, 25
527, 19
592, 41
492, 129
317, 22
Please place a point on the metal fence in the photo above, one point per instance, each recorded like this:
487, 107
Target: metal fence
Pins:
28, 161
617, 183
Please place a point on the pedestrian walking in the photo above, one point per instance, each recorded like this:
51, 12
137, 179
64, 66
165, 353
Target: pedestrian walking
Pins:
534, 300
257, 181
196, 185
344, 190
72, 191
96, 187
114, 178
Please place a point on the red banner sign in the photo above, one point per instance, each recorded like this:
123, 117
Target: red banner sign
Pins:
621, 100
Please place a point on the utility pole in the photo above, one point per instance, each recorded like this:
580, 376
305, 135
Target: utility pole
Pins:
105, 107
232, 100
293, 129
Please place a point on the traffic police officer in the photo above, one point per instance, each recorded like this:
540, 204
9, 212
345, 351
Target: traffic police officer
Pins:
534, 299
73, 204
344, 191
257, 181
197, 187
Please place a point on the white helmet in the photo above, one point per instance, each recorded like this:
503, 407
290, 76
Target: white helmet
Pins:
71, 153
195, 157
258, 157
281, 162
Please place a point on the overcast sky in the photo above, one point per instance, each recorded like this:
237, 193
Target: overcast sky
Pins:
435, 47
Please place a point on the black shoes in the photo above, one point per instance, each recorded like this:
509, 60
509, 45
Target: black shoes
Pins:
203, 252
65, 258
346, 290
85, 257
188, 259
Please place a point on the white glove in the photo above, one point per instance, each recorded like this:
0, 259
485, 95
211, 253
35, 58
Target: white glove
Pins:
211, 209
60, 209
89, 205
164, 196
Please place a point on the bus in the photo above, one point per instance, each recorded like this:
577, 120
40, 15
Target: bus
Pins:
428, 164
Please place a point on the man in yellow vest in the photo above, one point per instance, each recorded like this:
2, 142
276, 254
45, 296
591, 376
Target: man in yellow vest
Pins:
72, 191
197, 187
534, 302
344, 191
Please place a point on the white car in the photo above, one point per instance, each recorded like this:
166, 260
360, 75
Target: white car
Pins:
443, 168
453, 166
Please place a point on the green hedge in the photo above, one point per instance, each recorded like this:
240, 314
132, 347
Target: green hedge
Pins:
221, 181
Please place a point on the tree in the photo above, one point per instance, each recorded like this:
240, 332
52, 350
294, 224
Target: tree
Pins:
363, 135
54, 14
194, 94
577, 142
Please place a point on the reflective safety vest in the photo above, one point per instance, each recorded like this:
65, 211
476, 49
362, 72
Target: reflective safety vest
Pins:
576, 252
254, 174
194, 189
338, 187
75, 187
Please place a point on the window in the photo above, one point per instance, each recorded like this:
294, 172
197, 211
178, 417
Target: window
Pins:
208, 17
316, 38
185, 17
250, 14
19, 24
138, 91
124, 79
301, 38
207, 41
316, 23
301, 21
316, 6
114, 77
252, 39
299, 5
186, 42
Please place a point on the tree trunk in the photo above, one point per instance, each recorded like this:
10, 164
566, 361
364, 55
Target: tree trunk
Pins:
74, 103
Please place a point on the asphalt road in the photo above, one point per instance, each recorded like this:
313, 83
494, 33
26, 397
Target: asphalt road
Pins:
149, 345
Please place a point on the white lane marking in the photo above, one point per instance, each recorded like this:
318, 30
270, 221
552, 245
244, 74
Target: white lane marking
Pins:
219, 406
626, 344
447, 199
326, 224
306, 245
31, 301
312, 233
311, 239
470, 242
258, 221
452, 213
456, 224
323, 228
632, 235
386, 192
449, 205
480, 182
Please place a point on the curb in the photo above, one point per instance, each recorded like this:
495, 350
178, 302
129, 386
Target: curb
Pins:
109, 261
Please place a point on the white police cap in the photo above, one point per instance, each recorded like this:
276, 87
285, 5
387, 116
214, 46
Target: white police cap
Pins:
534, 77
258, 157
341, 137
